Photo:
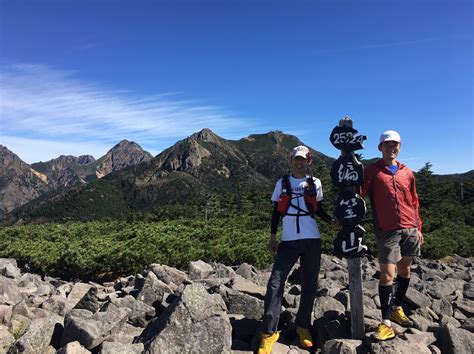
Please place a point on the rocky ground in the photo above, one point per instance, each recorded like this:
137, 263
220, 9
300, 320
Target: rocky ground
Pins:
212, 308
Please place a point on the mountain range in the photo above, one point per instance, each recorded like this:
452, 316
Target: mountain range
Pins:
197, 171
128, 178
21, 183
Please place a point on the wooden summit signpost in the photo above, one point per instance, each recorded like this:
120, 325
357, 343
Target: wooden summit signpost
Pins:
347, 174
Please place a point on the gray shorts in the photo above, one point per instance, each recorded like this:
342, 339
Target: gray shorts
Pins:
393, 245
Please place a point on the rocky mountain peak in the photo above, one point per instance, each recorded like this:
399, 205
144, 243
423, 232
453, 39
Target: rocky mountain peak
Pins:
124, 154
19, 183
85, 159
208, 136
278, 136
66, 170
184, 155
124, 143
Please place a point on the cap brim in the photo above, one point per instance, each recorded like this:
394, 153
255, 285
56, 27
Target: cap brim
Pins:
300, 154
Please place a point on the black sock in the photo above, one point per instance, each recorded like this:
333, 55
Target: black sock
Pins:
402, 287
386, 295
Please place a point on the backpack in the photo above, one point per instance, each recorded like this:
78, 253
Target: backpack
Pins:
310, 193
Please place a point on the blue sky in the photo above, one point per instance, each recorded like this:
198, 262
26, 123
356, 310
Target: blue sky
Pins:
76, 77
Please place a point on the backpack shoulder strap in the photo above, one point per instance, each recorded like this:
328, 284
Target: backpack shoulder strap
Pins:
285, 184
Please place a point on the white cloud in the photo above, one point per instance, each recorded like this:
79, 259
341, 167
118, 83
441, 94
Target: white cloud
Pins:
53, 109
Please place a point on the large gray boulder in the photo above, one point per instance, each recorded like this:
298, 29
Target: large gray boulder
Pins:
243, 285
90, 301
455, 340
416, 298
416, 336
247, 271
177, 275
170, 276
114, 348
442, 307
161, 273
56, 304
445, 319
9, 268
421, 322
126, 334
5, 261
9, 292
31, 284
6, 338
468, 291
242, 304
139, 313
37, 336
330, 287
469, 324
438, 289
399, 346
342, 346
329, 307
6, 312
152, 291
19, 324
465, 306
76, 294
199, 270
23, 309
92, 329
73, 348
196, 322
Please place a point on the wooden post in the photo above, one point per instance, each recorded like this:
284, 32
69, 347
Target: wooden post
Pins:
356, 298
355, 290
342, 137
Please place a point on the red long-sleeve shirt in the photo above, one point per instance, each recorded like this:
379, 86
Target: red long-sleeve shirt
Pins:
393, 197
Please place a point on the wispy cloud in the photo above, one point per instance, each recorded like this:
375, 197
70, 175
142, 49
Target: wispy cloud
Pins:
34, 150
46, 104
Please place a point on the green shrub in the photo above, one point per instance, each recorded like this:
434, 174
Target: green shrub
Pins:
449, 239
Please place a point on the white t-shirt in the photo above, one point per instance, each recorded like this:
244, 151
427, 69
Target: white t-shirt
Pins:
308, 225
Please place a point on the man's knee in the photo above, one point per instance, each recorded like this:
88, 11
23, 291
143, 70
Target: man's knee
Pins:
386, 278
404, 271
403, 267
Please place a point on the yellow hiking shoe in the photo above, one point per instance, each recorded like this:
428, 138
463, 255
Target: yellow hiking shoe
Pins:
267, 341
306, 340
398, 316
384, 332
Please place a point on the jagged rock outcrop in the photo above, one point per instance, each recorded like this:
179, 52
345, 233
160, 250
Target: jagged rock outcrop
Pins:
187, 155
125, 153
19, 183
67, 171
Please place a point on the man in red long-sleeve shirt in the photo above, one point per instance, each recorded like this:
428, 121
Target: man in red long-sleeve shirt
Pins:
392, 191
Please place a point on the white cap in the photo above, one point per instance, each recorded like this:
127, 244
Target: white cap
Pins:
390, 135
302, 151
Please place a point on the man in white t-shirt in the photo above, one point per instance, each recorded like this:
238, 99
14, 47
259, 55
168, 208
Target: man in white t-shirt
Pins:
296, 198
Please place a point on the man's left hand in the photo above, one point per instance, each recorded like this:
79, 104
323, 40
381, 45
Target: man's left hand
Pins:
421, 239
